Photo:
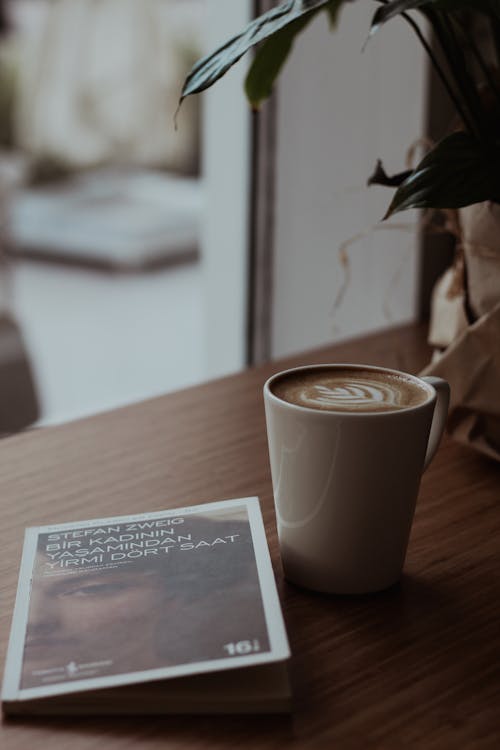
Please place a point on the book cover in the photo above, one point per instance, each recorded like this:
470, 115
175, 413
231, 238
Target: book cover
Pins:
134, 599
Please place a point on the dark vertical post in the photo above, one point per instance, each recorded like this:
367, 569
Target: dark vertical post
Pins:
262, 192
436, 250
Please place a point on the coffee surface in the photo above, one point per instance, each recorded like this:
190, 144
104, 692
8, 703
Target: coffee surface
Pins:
338, 389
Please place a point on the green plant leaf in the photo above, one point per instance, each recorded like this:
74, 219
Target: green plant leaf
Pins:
491, 7
380, 177
333, 9
269, 60
272, 54
396, 7
209, 69
459, 171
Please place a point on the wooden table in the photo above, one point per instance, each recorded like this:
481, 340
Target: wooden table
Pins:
417, 666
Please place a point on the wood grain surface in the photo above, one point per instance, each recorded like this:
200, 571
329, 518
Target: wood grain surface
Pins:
417, 666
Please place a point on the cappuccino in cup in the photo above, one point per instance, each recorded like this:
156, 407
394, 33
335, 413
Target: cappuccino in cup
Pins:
347, 446
351, 390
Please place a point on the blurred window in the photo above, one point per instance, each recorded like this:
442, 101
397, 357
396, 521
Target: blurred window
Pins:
104, 197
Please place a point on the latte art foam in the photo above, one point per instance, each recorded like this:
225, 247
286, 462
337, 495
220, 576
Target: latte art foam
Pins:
350, 393
339, 389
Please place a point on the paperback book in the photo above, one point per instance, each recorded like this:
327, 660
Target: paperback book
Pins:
167, 612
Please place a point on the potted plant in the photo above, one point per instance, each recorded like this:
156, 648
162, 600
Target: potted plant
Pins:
460, 175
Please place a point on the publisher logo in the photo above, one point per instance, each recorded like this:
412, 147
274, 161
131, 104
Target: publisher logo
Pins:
77, 671
72, 669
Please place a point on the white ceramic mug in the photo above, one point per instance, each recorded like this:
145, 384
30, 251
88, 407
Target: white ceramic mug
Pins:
345, 484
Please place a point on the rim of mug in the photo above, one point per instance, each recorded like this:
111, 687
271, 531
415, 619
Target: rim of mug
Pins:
389, 413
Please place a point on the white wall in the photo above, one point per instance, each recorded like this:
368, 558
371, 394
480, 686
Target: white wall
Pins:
226, 169
338, 110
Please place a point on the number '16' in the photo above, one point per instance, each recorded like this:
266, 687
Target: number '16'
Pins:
242, 647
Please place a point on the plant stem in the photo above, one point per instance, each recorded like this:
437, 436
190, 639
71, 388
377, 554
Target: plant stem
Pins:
456, 62
444, 80
467, 117
485, 69
495, 35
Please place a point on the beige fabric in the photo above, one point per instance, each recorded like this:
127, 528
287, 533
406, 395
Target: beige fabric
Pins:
471, 365
480, 225
448, 318
469, 355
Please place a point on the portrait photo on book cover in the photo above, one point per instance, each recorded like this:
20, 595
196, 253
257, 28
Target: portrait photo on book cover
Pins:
132, 597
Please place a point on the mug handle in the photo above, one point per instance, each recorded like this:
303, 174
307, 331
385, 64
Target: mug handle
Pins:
440, 414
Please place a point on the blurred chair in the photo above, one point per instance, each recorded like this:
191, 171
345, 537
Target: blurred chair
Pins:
18, 400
